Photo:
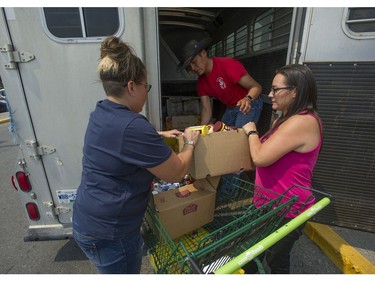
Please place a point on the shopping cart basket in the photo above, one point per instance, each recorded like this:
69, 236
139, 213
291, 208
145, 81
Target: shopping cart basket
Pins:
238, 234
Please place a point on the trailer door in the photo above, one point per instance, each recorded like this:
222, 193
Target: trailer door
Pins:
338, 46
23, 129
60, 86
296, 32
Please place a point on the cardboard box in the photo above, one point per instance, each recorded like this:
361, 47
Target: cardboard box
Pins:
182, 122
192, 106
189, 207
183, 106
220, 153
175, 106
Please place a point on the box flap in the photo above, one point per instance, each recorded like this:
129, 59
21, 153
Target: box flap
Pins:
208, 183
173, 198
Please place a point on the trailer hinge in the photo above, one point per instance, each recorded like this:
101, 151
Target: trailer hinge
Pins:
62, 210
52, 211
15, 56
36, 151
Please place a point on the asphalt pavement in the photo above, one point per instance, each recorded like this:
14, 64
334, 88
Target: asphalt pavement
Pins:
322, 249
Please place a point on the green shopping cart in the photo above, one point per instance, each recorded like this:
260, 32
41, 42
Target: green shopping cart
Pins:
239, 233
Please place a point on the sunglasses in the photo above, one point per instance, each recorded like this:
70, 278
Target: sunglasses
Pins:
275, 89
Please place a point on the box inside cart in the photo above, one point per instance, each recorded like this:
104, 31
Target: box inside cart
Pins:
184, 209
220, 153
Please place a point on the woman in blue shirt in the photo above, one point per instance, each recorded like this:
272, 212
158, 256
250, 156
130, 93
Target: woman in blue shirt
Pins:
122, 154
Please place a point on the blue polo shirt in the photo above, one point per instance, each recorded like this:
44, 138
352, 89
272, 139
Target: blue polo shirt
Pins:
115, 186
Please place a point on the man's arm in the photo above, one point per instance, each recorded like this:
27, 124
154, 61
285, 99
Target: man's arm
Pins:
248, 82
206, 111
254, 90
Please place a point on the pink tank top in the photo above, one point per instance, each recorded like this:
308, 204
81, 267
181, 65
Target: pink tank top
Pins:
294, 168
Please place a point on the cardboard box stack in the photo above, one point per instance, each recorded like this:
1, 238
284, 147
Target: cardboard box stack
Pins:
182, 113
189, 207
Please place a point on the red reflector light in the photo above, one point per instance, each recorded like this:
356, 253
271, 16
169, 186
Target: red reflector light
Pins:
14, 183
32, 211
23, 181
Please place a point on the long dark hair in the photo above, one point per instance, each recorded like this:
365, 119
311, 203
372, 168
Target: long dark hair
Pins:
301, 78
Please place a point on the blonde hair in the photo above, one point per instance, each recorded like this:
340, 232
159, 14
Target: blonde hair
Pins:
118, 65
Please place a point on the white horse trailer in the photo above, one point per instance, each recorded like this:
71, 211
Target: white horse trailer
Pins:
48, 59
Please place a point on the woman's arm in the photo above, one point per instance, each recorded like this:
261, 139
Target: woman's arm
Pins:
299, 133
170, 134
254, 91
177, 165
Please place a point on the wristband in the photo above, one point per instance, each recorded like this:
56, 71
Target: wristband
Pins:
190, 142
252, 133
249, 98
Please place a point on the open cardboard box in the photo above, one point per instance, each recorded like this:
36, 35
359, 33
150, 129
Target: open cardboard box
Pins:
220, 153
186, 208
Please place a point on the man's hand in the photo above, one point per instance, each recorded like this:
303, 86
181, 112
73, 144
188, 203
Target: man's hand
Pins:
245, 105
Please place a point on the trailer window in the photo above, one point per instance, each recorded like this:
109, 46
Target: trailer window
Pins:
229, 45
271, 29
81, 24
216, 50
236, 43
268, 32
360, 22
241, 41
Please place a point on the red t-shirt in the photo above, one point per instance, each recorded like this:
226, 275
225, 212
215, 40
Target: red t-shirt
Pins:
221, 82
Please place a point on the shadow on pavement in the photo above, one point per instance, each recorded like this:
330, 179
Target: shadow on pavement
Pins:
70, 252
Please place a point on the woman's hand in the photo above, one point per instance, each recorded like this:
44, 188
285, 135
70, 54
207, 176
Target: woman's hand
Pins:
249, 127
191, 135
170, 134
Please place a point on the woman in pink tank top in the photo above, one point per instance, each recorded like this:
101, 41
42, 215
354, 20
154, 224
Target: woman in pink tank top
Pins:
286, 155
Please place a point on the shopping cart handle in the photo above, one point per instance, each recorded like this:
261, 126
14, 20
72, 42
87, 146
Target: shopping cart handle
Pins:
254, 251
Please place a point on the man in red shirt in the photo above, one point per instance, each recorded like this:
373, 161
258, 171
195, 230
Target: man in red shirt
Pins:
225, 79
228, 81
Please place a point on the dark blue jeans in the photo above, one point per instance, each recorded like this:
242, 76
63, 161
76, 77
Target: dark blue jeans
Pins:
119, 256
234, 117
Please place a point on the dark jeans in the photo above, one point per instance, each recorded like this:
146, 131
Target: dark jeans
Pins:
234, 117
278, 256
112, 256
